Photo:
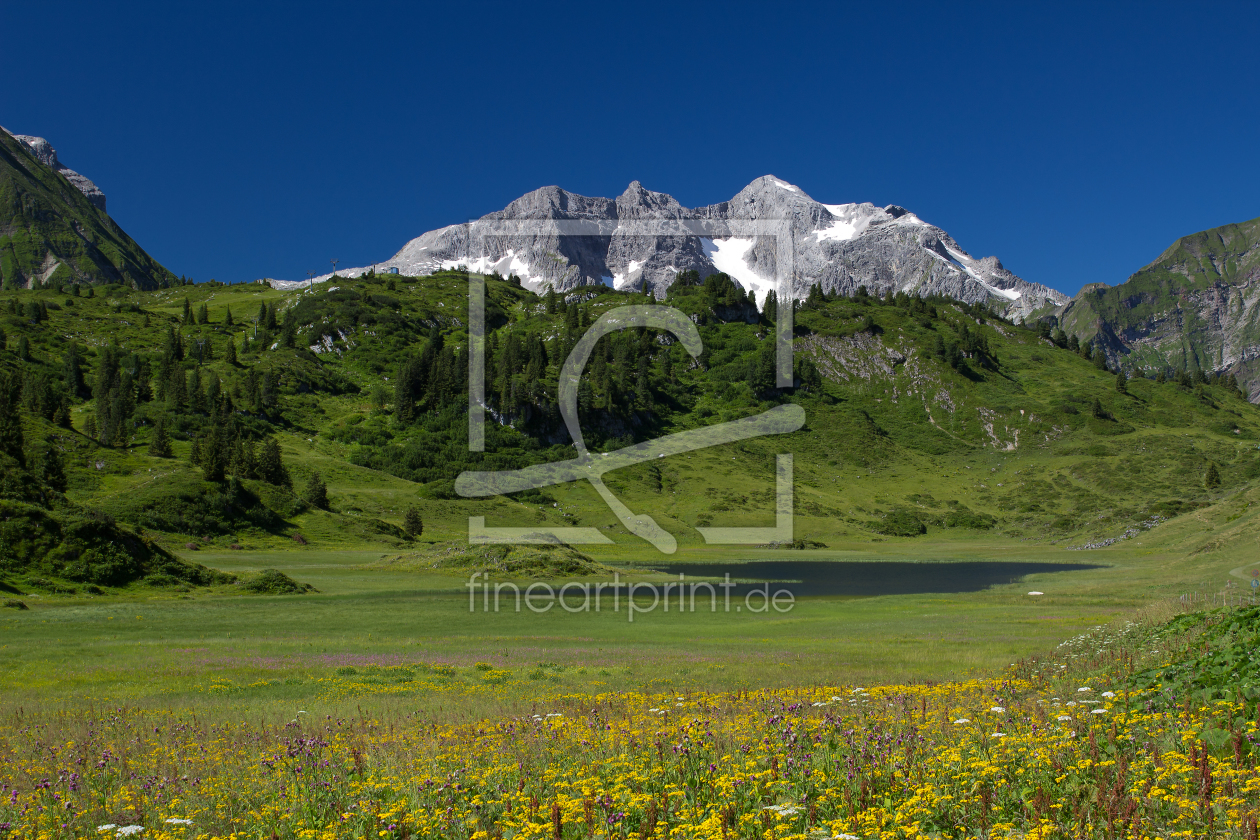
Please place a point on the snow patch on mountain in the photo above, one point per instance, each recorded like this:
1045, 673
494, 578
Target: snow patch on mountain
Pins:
840, 247
730, 256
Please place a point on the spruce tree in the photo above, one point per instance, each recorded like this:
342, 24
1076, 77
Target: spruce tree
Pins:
270, 467
1100, 358
53, 469
203, 314
316, 493
1122, 382
412, 523
227, 318
229, 352
160, 443
11, 440
187, 319
1212, 479
213, 457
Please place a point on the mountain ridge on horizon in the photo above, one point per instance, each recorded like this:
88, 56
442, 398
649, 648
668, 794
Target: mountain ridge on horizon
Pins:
837, 246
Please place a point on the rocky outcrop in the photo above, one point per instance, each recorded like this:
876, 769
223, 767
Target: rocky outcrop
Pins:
643, 239
47, 155
1195, 307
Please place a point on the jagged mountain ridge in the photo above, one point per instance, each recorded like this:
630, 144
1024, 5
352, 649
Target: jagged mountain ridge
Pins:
840, 246
52, 231
1195, 306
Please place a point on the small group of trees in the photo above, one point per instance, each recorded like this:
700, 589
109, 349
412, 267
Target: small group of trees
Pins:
218, 455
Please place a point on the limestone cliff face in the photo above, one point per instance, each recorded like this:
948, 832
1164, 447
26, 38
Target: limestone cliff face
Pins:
621, 244
1196, 306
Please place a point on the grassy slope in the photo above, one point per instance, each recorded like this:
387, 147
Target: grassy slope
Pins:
43, 217
867, 451
1154, 316
922, 438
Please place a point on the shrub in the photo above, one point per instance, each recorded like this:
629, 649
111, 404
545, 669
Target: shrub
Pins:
275, 582
902, 523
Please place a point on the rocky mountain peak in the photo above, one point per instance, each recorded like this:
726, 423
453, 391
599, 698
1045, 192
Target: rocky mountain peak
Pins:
47, 155
837, 246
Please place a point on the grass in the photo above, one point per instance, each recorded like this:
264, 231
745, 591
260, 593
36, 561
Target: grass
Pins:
388, 634
1076, 743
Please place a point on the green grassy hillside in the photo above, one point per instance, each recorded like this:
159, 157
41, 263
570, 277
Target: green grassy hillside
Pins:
1190, 309
202, 414
51, 234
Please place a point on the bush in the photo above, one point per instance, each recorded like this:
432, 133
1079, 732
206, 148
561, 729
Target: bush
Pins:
275, 582
902, 523
964, 518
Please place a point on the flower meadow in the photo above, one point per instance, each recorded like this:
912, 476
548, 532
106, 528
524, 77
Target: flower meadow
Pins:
1102, 738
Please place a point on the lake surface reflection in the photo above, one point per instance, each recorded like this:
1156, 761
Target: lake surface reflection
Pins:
855, 578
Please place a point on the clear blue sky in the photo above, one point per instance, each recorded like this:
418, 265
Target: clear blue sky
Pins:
1075, 142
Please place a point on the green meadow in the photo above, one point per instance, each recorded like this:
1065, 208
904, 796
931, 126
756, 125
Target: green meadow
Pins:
935, 433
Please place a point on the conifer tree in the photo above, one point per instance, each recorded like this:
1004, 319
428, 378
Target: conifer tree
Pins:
229, 352
1212, 479
1100, 358
227, 317
11, 439
413, 524
160, 443
53, 469
316, 493
187, 319
270, 467
213, 458
1122, 382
